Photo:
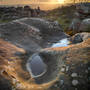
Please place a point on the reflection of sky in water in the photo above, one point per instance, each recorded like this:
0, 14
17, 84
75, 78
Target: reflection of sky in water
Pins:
61, 43
36, 66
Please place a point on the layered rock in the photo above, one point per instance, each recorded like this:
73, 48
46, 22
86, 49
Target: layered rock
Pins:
31, 33
67, 67
81, 22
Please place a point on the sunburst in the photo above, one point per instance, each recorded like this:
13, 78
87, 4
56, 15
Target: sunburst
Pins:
61, 1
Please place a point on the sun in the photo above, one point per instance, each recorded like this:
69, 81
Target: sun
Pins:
61, 1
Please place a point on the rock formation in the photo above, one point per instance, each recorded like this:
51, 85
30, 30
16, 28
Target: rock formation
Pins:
24, 40
31, 33
65, 68
81, 22
13, 13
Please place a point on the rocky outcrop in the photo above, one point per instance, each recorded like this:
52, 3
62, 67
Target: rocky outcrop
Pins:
31, 33
13, 13
81, 21
85, 25
83, 9
70, 68
80, 37
65, 68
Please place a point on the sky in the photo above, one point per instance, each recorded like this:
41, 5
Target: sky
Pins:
35, 1
29, 1
44, 4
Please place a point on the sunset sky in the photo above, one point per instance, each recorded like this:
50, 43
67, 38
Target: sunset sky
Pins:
31, 1
35, 1
44, 4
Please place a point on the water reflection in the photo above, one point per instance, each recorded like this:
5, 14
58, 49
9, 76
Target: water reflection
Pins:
36, 66
62, 43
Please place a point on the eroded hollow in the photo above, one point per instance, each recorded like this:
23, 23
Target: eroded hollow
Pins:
45, 65
36, 66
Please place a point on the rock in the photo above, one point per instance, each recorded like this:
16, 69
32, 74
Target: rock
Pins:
81, 21
67, 68
61, 82
74, 62
32, 33
85, 25
14, 70
55, 58
5, 84
75, 82
74, 75
80, 37
83, 8
62, 69
74, 26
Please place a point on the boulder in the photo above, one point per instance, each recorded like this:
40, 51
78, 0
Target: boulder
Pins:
31, 33
83, 8
81, 21
78, 25
85, 25
80, 37
74, 26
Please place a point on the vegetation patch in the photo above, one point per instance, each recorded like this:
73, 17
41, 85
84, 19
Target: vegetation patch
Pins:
63, 15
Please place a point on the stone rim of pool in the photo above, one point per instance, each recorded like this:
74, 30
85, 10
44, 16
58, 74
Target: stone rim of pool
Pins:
31, 60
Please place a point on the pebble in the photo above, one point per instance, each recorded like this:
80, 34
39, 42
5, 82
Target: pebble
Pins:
62, 69
75, 82
74, 75
67, 68
61, 82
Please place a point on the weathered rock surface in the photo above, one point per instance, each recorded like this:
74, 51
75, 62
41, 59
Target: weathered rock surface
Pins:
74, 26
80, 37
67, 67
70, 65
85, 25
83, 8
81, 22
31, 33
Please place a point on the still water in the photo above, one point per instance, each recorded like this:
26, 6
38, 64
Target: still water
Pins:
36, 66
62, 43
